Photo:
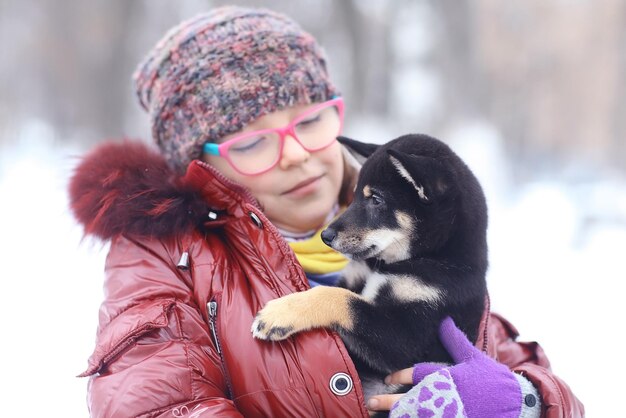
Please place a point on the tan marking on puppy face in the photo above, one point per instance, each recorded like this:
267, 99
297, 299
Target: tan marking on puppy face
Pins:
320, 307
399, 240
404, 220
367, 191
392, 245
409, 289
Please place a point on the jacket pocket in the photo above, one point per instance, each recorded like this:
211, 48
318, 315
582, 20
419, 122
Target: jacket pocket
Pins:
122, 332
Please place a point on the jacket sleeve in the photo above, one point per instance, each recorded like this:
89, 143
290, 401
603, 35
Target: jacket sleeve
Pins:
154, 356
529, 359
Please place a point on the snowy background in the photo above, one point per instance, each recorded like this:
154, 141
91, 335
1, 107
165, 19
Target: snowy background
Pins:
530, 93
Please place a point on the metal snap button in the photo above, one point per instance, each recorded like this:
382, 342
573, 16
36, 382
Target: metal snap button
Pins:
256, 220
340, 384
530, 400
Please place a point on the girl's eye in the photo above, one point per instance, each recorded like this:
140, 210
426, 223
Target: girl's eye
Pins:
248, 144
309, 121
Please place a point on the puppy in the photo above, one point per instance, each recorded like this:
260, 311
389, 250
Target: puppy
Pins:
416, 235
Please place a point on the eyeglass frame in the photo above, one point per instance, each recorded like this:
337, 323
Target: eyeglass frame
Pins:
221, 150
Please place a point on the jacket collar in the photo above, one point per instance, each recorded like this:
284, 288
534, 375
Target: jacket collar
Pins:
128, 188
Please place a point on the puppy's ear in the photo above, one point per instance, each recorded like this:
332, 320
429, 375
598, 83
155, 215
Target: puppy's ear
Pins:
359, 150
426, 174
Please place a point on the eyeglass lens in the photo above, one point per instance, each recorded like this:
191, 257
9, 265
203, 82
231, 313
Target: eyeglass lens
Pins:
313, 130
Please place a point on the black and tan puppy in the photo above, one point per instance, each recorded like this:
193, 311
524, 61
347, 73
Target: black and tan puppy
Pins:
416, 234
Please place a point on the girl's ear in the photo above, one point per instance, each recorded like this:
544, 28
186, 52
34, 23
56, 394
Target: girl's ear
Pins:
359, 150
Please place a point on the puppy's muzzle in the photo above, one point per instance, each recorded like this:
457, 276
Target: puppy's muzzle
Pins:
328, 235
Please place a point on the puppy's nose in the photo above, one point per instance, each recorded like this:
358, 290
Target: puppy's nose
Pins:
328, 235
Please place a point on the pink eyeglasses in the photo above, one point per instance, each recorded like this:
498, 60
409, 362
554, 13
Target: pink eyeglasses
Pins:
256, 152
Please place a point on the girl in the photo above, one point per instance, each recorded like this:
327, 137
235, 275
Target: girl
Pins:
224, 217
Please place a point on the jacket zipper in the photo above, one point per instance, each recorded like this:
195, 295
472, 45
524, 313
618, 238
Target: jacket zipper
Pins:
232, 185
212, 305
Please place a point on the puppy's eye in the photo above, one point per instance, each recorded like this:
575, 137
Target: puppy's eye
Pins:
376, 199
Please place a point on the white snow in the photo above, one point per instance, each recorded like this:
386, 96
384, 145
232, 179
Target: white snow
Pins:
51, 284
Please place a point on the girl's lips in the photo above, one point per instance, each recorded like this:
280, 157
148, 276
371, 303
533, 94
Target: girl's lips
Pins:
304, 187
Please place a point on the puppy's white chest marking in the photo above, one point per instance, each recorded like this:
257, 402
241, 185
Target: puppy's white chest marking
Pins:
355, 273
404, 288
373, 284
409, 289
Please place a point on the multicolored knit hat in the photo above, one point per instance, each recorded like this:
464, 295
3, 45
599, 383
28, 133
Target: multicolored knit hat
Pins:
212, 75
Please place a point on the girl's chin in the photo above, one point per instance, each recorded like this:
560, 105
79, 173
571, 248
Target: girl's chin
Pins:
303, 224
302, 218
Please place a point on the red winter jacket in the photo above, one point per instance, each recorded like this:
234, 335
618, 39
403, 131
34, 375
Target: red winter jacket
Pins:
191, 261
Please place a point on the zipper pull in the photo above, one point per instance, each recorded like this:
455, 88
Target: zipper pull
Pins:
212, 310
212, 305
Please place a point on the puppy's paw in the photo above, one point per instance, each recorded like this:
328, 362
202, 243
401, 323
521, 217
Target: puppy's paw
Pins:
280, 318
319, 307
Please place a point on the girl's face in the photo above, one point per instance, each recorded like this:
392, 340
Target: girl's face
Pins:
300, 191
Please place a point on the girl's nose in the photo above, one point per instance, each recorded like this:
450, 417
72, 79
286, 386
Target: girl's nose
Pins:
293, 153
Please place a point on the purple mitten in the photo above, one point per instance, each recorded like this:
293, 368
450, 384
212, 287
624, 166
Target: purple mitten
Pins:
476, 386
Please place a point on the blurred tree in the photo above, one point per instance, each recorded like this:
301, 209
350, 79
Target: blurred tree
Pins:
550, 75
456, 59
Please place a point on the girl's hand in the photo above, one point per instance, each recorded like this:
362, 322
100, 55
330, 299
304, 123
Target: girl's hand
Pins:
385, 402
474, 385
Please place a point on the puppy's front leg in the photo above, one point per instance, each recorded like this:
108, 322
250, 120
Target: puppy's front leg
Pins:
319, 307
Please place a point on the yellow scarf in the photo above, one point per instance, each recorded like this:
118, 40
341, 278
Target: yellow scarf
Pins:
317, 257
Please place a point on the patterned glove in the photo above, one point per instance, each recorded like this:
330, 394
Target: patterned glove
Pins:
475, 387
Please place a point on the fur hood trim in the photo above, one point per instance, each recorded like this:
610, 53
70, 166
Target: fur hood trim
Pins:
128, 188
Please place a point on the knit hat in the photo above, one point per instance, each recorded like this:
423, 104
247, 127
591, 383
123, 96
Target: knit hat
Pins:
212, 75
